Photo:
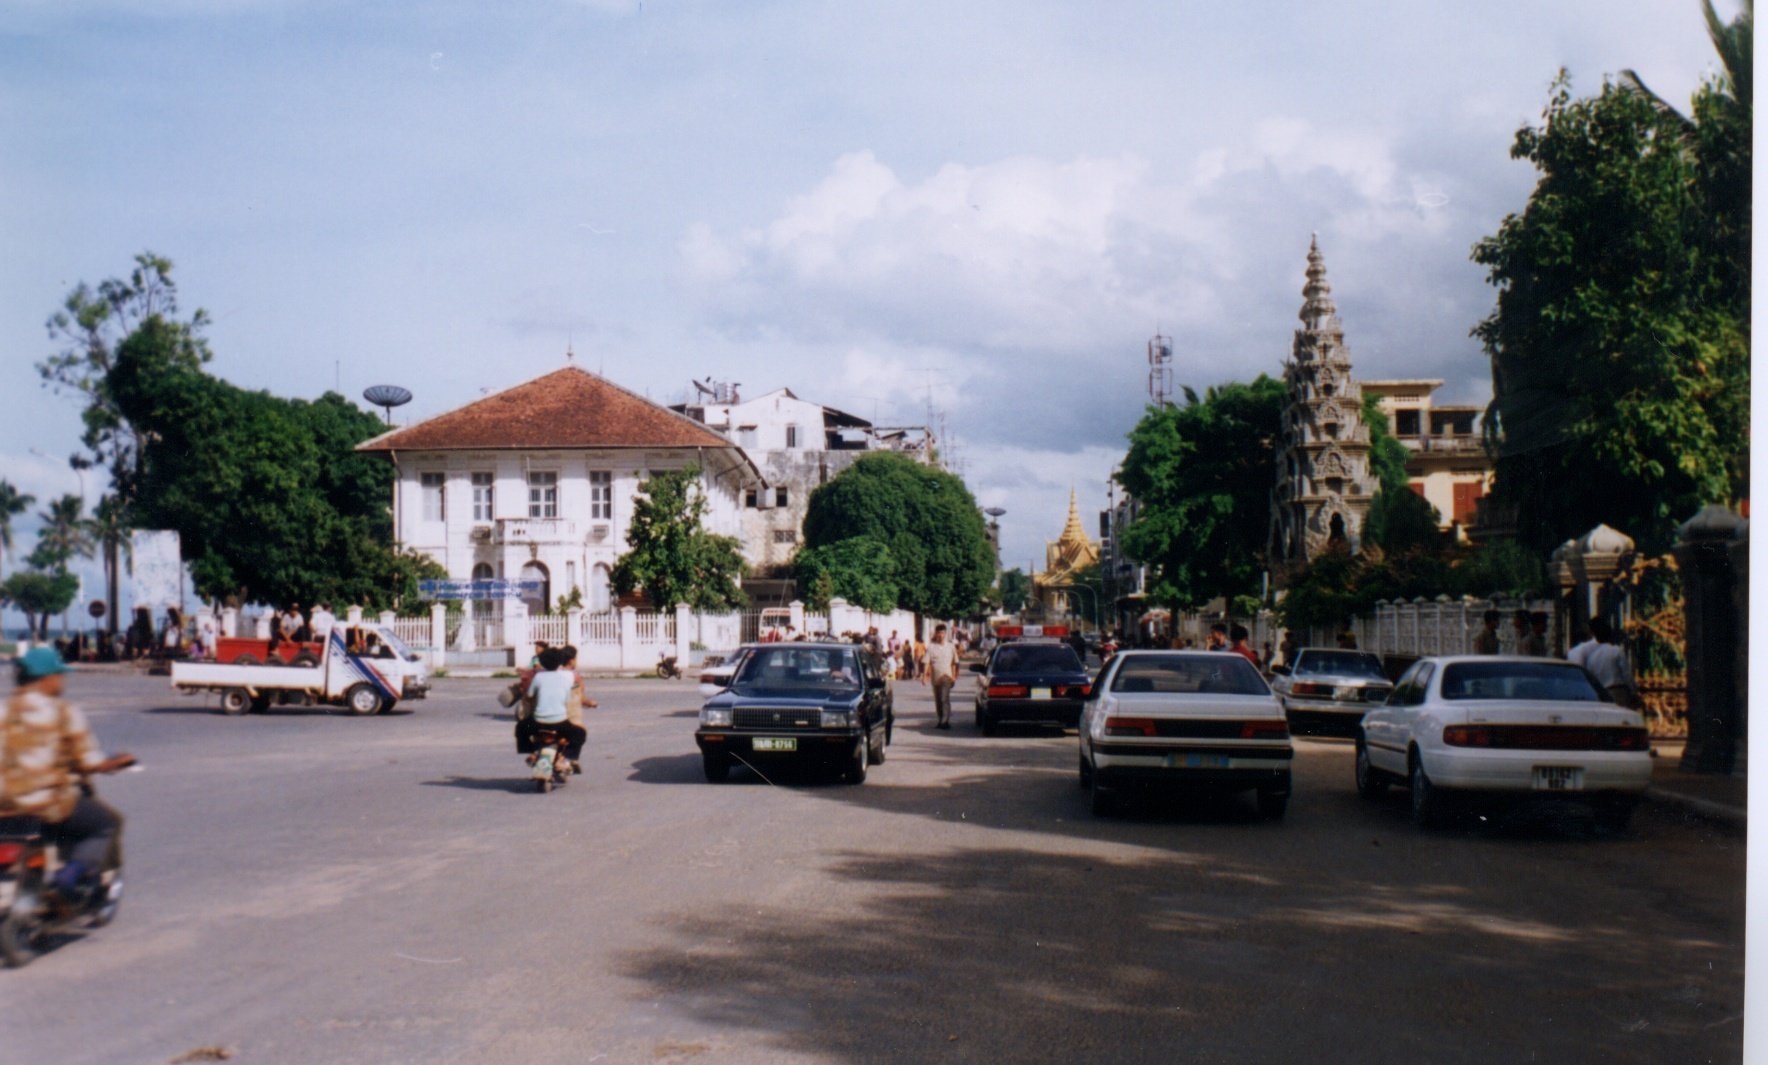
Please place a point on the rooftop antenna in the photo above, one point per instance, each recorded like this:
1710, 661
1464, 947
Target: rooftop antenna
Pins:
570, 356
1160, 368
387, 397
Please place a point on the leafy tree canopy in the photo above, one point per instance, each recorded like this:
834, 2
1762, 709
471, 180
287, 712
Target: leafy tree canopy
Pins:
1013, 590
858, 569
1203, 472
925, 517
40, 595
270, 501
1620, 339
672, 557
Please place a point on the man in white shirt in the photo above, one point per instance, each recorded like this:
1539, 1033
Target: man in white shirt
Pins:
1608, 664
322, 621
1581, 651
942, 673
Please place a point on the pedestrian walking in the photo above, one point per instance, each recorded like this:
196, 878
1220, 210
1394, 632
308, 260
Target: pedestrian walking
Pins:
1534, 643
1607, 663
942, 673
1240, 647
1486, 643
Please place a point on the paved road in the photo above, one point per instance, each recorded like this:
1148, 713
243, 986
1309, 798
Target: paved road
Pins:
315, 888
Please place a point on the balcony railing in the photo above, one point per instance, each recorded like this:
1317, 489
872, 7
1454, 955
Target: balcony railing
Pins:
535, 531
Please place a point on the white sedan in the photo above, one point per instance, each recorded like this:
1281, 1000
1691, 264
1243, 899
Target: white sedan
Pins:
718, 669
1494, 727
1199, 720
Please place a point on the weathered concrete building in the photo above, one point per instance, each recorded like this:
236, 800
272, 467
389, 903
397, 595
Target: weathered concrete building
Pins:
1446, 455
1324, 483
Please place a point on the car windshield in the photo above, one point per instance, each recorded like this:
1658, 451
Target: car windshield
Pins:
1037, 658
1199, 674
1340, 663
1561, 682
803, 668
399, 646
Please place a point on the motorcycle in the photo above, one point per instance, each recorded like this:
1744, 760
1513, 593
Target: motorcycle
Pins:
551, 768
666, 667
33, 909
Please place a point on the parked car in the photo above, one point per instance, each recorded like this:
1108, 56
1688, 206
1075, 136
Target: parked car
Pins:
1194, 720
1031, 681
719, 667
1328, 686
798, 702
1458, 727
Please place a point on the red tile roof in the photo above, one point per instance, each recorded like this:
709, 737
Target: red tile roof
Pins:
568, 408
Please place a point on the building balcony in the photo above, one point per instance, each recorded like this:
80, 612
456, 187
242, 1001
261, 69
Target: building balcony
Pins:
1456, 444
522, 531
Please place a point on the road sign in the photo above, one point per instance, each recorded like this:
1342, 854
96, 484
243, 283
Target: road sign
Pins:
454, 589
97, 608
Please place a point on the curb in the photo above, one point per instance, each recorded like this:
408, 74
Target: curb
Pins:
1713, 811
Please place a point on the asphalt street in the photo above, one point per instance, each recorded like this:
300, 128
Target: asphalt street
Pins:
306, 887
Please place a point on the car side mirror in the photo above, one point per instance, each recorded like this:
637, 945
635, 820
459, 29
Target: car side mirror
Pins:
876, 683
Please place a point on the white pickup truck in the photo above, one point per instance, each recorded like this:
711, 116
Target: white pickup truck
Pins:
361, 684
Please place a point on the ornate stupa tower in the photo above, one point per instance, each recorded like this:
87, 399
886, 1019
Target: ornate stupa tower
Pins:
1064, 556
1323, 480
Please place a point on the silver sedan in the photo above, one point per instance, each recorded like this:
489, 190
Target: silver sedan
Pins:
1330, 685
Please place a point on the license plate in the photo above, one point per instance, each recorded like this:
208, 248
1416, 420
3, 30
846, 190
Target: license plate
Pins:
1559, 778
1349, 695
1197, 761
764, 743
1040, 693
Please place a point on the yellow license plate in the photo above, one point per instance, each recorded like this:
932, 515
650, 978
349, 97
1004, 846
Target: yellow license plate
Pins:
1040, 693
764, 743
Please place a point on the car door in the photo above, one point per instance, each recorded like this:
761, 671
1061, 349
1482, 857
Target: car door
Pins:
1412, 716
1381, 730
1095, 702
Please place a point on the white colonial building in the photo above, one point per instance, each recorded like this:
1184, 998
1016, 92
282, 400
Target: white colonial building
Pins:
538, 482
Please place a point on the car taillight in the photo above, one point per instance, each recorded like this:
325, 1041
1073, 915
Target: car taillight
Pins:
1129, 726
1008, 691
9, 852
1077, 691
1310, 689
1264, 730
1632, 739
708, 678
1467, 736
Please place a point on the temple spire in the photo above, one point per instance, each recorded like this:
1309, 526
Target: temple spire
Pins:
1317, 307
1073, 530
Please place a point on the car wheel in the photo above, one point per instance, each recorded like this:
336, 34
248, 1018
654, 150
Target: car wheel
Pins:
1086, 772
875, 752
856, 762
1370, 783
1105, 801
1615, 813
986, 724
235, 701
1428, 801
363, 699
1273, 802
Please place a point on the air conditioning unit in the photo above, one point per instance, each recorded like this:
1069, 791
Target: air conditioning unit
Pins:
598, 533
480, 533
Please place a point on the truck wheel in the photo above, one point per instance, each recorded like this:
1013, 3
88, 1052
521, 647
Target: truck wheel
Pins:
306, 660
246, 660
260, 702
235, 701
363, 699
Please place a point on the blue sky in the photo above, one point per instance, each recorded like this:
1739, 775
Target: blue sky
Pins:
985, 206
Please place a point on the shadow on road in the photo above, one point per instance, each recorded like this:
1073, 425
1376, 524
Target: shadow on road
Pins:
519, 785
1007, 954
686, 769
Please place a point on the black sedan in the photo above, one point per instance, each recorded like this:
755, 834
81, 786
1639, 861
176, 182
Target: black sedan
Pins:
1034, 682
795, 702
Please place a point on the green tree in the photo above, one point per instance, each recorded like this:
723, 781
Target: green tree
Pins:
39, 595
270, 500
66, 534
672, 557
925, 517
1620, 339
858, 569
12, 503
1399, 519
1203, 472
1013, 590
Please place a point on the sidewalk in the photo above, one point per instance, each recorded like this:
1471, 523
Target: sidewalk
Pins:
1718, 798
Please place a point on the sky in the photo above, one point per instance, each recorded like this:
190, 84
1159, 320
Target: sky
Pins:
973, 215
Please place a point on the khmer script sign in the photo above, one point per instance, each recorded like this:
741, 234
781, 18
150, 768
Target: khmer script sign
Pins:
487, 589
156, 572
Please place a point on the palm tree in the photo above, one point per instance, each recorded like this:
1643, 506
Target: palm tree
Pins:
1735, 45
66, 533
110, 528
12, 503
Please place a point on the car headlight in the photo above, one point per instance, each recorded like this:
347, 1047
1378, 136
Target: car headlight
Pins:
715, 717
837, 718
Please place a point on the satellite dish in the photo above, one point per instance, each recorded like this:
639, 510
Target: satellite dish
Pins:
387, 397
993, 512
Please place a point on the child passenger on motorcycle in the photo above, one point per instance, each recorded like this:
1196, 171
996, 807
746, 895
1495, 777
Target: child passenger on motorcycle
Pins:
551, 689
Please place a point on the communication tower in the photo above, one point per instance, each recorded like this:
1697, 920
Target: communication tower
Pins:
1160, 369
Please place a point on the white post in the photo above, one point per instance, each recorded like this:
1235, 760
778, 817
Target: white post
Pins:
684, 623
838, 622
796, 607
353, 616
229, 622
438, 635
387, 617
515, 631
574, 627
466, 641
628, 638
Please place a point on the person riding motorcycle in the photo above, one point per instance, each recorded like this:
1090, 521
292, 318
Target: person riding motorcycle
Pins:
551, 689
46, 751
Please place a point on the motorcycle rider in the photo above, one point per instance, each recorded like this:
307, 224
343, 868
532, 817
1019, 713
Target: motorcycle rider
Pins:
46, 749
551, 689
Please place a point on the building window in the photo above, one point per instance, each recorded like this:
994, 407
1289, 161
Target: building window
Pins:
752, 499
791, 436
483, 489
785, 536
746, 437
543, 494
601, 495
435, 487
1406, 423
782, 497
